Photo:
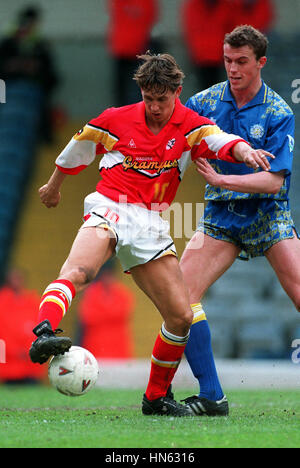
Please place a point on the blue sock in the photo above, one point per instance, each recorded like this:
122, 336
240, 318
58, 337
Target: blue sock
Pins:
200, 357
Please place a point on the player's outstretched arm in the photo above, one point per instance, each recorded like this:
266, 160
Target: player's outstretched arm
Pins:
50, 192
260, 182
251, 157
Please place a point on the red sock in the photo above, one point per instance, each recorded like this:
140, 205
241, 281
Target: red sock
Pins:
55, 302
166, 357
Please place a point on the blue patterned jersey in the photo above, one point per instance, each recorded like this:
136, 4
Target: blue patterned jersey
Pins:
266, 122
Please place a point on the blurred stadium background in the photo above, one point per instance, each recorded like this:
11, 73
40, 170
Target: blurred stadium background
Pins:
249, 314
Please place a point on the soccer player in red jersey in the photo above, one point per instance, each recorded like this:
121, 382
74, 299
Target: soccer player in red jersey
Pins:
146, 148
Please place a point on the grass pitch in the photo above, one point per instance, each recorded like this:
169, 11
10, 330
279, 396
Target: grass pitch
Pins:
40, 417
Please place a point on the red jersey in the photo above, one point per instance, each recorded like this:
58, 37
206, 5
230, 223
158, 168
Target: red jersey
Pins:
259, 13
131, 22
137, 165
107, 334
18, 308
204, 25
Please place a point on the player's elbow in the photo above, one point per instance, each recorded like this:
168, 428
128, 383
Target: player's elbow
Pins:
276, 185
275, 189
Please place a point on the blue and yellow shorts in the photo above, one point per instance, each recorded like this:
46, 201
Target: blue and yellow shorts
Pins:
253, 225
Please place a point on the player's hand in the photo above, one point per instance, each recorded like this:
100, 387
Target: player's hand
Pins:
49, 197
207, 171
258, 158
253, 158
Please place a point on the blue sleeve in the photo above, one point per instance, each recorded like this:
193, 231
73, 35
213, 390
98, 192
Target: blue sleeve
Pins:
194, 104
189, 103
280, 142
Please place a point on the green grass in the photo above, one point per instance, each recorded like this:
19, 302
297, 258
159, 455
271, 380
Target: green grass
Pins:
41, 417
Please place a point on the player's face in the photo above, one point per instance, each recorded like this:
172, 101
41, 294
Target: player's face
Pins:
242, 67
159, 107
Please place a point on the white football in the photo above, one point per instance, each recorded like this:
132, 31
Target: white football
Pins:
75, 372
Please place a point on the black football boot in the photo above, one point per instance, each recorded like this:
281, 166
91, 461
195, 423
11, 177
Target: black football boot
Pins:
47, 343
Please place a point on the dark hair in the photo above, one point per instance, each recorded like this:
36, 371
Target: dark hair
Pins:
247, 35
159, 73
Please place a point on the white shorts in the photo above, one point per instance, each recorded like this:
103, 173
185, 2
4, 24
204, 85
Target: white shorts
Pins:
141, 235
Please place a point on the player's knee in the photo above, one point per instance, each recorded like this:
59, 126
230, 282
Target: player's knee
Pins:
187, 323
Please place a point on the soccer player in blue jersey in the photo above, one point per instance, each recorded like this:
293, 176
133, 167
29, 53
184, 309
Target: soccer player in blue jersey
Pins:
247, 213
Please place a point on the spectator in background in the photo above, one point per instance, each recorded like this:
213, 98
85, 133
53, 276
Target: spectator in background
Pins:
129, 34
204, 25
18, 306
105, 313
258, 13
25, 119
24, 55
